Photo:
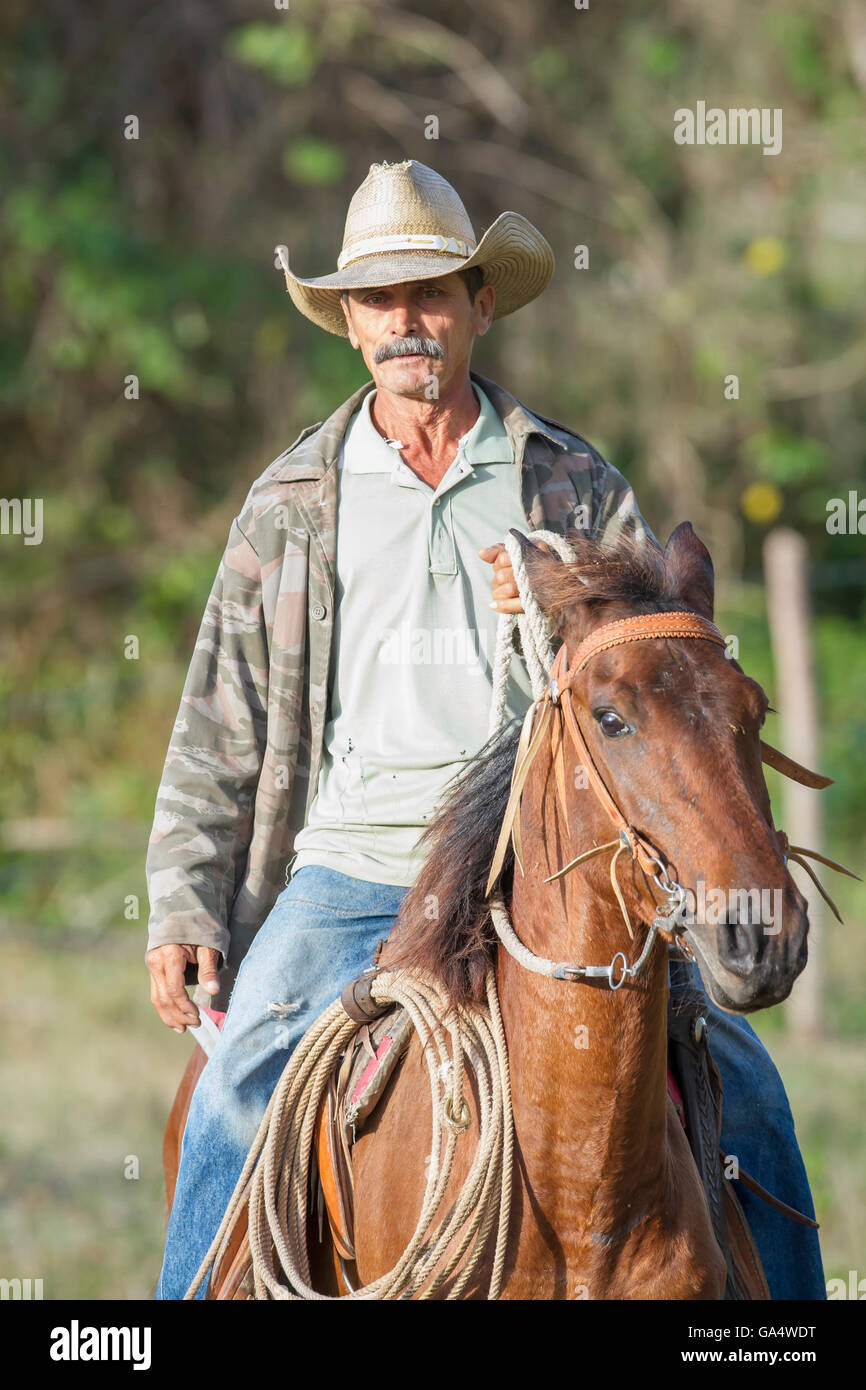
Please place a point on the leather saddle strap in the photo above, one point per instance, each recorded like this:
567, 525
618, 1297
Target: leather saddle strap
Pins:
754, 1186
690, 1060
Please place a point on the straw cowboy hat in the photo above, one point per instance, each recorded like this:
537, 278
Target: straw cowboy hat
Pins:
405, 222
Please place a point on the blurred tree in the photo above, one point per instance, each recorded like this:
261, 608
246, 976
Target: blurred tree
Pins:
153, 258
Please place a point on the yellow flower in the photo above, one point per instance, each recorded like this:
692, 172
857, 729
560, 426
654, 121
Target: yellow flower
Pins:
765, 256
761, 503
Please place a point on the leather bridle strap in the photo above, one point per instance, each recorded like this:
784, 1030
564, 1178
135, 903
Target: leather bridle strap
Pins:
640, 628
788, 768
683, 625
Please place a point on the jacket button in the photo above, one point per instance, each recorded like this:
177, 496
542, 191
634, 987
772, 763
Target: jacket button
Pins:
318, 610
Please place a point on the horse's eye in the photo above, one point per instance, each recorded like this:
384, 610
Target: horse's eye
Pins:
611, 724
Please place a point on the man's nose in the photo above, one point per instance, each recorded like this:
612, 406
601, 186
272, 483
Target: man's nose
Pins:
403, 320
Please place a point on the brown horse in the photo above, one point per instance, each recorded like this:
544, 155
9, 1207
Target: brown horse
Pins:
607, 1201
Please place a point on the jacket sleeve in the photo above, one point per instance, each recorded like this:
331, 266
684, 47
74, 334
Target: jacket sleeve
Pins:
204, 807
615, 512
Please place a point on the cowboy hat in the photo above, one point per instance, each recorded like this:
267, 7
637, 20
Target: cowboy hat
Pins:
405, 222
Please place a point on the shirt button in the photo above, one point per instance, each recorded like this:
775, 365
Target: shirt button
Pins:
318, 610
436, 501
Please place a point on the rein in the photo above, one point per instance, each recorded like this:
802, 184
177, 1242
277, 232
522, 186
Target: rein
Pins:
558, 698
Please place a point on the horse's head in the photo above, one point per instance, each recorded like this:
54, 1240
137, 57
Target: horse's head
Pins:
673, 727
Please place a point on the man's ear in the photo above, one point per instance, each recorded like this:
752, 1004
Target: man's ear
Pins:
485, 303
690, 566
347, 315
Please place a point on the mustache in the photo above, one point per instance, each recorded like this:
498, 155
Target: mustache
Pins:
426, 347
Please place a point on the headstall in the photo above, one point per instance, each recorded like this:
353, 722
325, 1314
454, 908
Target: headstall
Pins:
558, 696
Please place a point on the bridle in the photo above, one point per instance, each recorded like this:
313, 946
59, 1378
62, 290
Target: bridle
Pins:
558, 697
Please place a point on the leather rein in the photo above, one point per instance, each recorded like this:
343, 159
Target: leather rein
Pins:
558, 695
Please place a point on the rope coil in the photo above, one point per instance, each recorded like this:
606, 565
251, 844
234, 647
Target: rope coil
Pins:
278, 1163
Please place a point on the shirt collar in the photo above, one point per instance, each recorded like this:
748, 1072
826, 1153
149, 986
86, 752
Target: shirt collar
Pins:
317, 448
365, 451
487, 441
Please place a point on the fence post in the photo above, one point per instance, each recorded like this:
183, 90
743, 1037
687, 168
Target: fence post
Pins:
788, 610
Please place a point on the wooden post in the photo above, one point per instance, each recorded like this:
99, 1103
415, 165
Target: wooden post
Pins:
786, 576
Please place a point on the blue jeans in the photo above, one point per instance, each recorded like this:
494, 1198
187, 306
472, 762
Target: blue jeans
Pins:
758, 1129
322, 933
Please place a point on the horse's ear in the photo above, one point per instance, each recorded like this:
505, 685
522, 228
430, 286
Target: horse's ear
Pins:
690, 567
543, 569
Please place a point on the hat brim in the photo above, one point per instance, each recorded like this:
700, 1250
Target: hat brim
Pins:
518, 262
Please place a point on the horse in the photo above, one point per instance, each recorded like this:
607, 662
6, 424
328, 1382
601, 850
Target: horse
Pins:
666, 742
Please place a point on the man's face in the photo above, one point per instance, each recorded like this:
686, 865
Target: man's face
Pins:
408, 334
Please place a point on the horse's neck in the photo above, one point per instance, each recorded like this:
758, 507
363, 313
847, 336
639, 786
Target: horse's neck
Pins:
588, 1064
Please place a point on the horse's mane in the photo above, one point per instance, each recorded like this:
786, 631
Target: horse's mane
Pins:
444, 927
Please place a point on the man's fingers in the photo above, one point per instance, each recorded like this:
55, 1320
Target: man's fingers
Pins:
167, 1009
505, 593
176, 989
208, 975
167, 992
504, 584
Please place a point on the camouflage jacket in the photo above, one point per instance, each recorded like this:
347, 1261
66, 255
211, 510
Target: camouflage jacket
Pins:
243, 761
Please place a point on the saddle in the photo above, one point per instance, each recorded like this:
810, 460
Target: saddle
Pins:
353, 1093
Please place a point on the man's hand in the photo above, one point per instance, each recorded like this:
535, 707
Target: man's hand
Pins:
506, 595
167, 991
506, 598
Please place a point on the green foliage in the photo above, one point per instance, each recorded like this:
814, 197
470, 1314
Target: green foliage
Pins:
784, 457
314, 161
288, 54
153, 260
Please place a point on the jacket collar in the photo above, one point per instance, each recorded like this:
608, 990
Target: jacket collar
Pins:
318, 447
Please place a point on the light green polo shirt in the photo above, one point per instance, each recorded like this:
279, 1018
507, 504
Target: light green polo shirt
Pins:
414, 644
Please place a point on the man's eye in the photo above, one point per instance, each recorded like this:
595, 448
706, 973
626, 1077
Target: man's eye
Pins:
611, 724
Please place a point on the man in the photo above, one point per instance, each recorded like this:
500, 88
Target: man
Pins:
342, 677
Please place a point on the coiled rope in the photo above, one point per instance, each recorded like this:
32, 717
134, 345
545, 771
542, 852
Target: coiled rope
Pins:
277, 1166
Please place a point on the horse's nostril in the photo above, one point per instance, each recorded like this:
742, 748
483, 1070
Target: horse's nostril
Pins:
736, 946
